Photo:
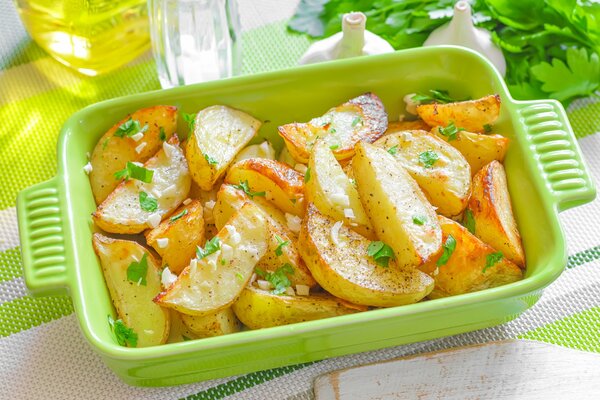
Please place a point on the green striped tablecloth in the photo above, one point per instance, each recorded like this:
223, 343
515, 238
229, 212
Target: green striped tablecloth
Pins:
43, 354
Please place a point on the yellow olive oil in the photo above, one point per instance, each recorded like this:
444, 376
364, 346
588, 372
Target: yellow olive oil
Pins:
91, 36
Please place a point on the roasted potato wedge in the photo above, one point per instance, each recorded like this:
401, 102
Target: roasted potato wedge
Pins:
492, 212
331, 191
440, 170
277, 182
472, 115
178, 331
338, 259
133, 299
258, 308
263, 150
282, 247
220, 132
214, 282
472, 266
136, 137
362, 118
286, 158
123, 212
216, 324
416, 125
176, 238
478, 149
398, 209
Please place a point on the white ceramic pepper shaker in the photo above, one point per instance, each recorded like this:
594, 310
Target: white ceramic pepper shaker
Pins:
461, 31
353, 41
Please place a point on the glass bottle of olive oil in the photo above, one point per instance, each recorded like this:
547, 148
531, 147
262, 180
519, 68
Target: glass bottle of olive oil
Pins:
91, 36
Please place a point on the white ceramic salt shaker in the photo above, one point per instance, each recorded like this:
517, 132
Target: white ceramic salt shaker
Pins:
354, 40
461, 31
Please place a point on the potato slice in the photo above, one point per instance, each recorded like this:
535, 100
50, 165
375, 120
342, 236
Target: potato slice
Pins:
492, 212
398, 209
282, 242
263, 150
179, 332
472, 266
220, 132
337, 258
133, 300
362, 118
122, 210
478, 149
259, 309
331, 191
472, 115
214, 282
440, 170
176, 238
282, 185
117, 146
415, 125
217, 324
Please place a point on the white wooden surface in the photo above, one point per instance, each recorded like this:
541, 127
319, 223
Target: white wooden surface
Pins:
517, 369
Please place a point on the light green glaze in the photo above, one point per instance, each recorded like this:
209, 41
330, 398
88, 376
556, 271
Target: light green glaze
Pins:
545, 174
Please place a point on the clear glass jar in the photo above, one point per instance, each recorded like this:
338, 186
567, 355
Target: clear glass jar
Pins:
194, 40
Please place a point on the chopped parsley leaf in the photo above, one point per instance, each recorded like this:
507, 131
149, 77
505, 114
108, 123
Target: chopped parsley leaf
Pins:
381, 253
435, 96
191, 120
105, 143
487, 128
333, 130
147, 202
334, 146
245, 186
450, 131
307, 175
280, 245
125, 336
393, 150
181, 214
278, 279
492, 259
355, 121
419, 219
239, 276
130, 128
210, 160
137, 271
449, 247
134, 171
428, 158
469, 221
162, 135
212, 246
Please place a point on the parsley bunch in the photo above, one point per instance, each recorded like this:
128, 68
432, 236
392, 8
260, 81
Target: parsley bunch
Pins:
551, 46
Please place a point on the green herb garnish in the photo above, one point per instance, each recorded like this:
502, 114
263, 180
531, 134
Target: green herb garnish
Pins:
134, 171
449, 246
278, 279
162, 135
307, 175
428, 158
191, 121
130, 128
393, 150
381, 253
181, 214
469, 221
419, 220
280, 244
334, 146
492, 259
125, 336
355, 121
450, 131
147, 202
487, 128
210, 160
239, 276
245, 186
434, 96
212, 246
137, 271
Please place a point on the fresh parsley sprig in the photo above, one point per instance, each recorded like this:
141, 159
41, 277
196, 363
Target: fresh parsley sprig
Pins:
125, 336
381, 253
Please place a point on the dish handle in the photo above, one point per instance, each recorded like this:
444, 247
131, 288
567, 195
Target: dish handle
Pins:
557, 153
41, 231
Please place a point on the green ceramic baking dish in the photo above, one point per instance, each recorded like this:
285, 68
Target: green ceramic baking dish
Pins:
546, 174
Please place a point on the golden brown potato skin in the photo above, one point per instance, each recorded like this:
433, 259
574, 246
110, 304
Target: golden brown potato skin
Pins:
491, 207
112, 152
184, 234
478, 149
472, 115
284, 186
259, 309
464, 271
349, 273
415, 125
338, 128
220, 323
133, 302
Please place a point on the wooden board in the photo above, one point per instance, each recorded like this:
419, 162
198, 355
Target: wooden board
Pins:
517, 369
